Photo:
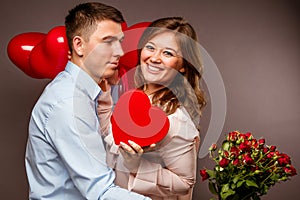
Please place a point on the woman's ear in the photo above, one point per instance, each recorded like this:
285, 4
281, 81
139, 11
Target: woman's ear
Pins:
182, 70
78, 45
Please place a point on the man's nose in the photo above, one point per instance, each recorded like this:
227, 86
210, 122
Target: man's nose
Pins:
118, 50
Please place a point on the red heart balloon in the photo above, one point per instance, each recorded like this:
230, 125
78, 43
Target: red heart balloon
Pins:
135, 119
130, 44
50, 56
19, 49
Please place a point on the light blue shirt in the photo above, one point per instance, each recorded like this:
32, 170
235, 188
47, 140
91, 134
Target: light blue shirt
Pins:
65, 155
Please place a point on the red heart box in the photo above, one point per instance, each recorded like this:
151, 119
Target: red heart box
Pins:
135, 119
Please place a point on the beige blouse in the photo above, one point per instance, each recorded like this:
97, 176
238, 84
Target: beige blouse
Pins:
167, 173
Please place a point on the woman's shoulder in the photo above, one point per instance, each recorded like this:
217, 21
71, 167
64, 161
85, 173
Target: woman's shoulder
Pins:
181, 125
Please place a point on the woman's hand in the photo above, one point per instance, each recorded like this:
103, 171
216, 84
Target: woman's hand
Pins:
132, 154
104, 85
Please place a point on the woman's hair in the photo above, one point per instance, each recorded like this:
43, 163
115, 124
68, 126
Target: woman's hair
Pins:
185, 88
82, 20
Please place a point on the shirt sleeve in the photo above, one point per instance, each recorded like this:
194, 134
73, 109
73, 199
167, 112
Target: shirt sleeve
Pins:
173, 171
73, 132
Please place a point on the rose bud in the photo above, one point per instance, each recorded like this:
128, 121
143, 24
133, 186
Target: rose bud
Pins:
204, 174
236, 162
270, 155
265, 150
254, 143
272, 148
261, 142
213, 147
248, 135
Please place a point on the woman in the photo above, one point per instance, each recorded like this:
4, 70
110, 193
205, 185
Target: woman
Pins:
169, 72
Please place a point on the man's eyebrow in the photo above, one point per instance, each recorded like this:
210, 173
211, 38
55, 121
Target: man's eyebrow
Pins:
109, 37
112, 38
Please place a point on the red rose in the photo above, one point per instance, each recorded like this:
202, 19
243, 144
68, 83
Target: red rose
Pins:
236, 162
254, 143
270, 155
265, 150
261, 142
248, 135
290, 170
284, 160
248, 160
242, 136
234, 151
226, 153
245, 146
272, 148
232, 136
224, 162
204, 174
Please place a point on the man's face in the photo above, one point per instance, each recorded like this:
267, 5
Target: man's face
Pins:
103, 50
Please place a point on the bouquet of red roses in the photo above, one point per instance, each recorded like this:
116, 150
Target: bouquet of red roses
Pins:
246, 168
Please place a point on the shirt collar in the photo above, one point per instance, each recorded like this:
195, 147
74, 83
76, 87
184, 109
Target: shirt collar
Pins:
83, 80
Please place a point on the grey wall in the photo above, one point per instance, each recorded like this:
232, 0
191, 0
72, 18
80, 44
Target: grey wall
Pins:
255, 44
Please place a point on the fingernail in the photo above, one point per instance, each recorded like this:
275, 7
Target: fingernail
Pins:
122, 143
130, 142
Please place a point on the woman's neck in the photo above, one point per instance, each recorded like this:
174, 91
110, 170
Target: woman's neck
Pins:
152, 88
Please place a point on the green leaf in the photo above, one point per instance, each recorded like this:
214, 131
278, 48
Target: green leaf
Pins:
233, 186
226, 191
225, 188
235, 179
251, 183
240, 183
211, 173
212, 188
226, 146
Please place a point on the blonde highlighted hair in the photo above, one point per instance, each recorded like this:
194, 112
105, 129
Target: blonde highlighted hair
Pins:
185, 89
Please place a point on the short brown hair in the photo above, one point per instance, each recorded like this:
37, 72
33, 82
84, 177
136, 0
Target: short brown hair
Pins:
82, 19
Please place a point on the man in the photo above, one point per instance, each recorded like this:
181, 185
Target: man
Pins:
65, 155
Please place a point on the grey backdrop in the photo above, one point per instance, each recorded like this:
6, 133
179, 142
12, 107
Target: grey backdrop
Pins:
255, 44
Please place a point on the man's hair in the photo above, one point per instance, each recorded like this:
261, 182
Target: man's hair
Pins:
82, 19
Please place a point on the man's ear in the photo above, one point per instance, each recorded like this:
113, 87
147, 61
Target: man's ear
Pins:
78, 44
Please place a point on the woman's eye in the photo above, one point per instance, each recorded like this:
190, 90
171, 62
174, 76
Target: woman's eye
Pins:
168, 53
149, 47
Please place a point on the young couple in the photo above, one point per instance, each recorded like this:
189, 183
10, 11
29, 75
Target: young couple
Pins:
66, 157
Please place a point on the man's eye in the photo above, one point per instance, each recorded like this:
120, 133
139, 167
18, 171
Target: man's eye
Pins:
108, 41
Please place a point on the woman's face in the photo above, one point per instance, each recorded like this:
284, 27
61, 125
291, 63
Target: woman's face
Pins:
161, 60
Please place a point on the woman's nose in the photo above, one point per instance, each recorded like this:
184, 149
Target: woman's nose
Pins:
155, 57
